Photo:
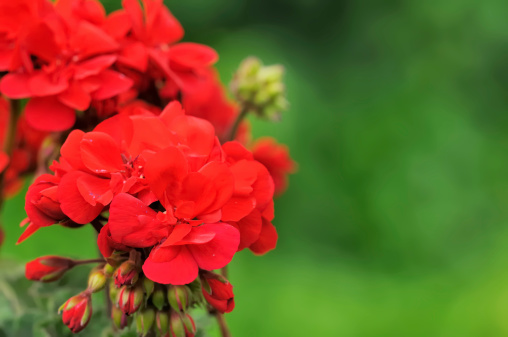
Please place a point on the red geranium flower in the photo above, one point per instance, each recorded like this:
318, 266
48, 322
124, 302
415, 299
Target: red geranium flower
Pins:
65, 72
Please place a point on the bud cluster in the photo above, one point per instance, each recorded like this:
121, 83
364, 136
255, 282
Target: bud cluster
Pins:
260, 88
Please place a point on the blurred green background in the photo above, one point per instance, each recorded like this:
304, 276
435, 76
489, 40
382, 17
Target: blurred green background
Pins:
397, 221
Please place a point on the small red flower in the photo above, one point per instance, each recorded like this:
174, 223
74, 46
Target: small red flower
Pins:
276, 159
77, 311
218, 292
48, 268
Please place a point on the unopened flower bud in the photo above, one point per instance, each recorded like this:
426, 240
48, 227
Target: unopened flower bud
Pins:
126, 274
260, 89
159, 297
181, 325
120, 320
148, 285
130, 299
96, 280
77, 311
109, 270
178, 297
162, 323
113, 291
190, 326
218, 292
48, 268
144, 321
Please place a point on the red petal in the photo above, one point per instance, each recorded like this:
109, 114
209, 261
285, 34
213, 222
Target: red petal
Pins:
4, 160
71, 149
93, 66
94, 189
75, 97
178, 233
250, 229
223, 182
150, 133
43, 84
90, 40
100, 153
117, 24
134, 55
161, 26
198, 134
29, 230
267, 239
193, 55
72, 202
182, 269
164, 173
112, 84
218, 252
15, 86
134, 224
41, 42
237, 207
48, 114
120, 127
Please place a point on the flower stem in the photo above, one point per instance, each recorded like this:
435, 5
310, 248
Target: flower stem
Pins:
80, 262
236, 125
224, 330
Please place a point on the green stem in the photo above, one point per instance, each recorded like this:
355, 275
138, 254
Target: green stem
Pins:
236, 125
80, 262
224, 330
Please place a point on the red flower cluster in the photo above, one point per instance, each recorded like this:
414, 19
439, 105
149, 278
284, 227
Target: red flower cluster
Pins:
72, 56
169, 186
149, 162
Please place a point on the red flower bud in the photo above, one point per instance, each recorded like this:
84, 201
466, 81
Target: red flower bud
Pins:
218, 292
126, 274
178, 297
77, 311
130, 299
120, 320
48, 268
181, 325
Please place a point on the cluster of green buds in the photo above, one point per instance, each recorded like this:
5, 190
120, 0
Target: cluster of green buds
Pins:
260, 89
157, 309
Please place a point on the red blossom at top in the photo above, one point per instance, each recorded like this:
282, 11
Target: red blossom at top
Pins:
60, 60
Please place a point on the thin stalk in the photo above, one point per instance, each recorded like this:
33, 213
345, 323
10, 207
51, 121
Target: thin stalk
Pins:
236, 125
80, 262
224, 330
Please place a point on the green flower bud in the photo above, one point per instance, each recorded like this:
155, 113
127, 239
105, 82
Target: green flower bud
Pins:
144, 321
178, 297
159, 297
97, 280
